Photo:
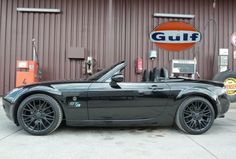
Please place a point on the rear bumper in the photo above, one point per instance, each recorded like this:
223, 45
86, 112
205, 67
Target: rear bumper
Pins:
9, 109
223, 103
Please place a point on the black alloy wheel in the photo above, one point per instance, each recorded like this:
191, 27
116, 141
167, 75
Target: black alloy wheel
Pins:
195, 115
39, 114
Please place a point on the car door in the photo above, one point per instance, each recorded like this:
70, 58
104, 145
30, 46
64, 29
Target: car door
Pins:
132, 101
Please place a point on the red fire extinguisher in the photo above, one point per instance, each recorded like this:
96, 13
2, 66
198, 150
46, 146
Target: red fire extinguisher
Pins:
139, 65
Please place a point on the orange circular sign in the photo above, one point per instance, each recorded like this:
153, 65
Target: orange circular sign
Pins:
230, 85
175, 36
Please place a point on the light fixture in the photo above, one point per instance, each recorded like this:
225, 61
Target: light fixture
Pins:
166, 15
152, 54
41, 10
214, 4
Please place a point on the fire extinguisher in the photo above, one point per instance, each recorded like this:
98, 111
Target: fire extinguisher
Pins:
139, 65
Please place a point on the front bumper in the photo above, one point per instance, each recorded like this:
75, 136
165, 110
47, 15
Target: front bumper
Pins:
9, 109
9, 103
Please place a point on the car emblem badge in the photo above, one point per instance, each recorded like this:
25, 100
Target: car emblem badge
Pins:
74, 99
75, 104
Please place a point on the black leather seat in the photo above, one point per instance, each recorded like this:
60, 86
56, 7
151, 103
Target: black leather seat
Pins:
156, 74
145, 77
164, 73
151, 76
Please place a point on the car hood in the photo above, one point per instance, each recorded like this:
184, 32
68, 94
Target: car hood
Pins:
48, 83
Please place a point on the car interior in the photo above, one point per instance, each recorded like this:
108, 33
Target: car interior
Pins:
155, 75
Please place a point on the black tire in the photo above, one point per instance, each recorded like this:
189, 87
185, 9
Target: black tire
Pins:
39, 114
195, 115
223, 77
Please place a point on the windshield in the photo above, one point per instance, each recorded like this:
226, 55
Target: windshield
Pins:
98, 75
101, 73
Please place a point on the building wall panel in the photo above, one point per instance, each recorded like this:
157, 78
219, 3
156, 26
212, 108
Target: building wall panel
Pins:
216, 26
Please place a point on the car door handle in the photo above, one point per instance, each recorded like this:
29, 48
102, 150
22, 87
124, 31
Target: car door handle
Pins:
155, 87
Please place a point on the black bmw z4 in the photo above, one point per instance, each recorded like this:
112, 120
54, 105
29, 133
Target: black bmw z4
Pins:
105, 100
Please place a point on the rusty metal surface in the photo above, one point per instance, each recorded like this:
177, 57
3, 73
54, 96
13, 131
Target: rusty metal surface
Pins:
110, 31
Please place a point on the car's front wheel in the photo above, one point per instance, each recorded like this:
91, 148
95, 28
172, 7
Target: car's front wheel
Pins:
39, 114
195, 115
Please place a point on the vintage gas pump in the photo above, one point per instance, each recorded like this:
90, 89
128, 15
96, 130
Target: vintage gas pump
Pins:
223, 59
27, 72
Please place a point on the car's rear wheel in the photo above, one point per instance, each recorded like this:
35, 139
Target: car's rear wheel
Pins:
39, 114
195, 115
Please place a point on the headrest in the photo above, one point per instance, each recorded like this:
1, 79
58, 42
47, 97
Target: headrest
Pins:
145, 77
156, 74
164, 73
151, 76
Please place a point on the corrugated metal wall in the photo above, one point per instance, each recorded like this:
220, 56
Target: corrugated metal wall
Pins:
133, 21
110, 30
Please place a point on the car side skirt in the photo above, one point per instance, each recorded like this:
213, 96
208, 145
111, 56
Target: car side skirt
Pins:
117, 123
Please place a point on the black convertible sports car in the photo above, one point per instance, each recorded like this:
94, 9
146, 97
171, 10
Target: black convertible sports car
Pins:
104, 100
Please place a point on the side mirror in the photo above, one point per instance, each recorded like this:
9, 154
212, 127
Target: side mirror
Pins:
117, 78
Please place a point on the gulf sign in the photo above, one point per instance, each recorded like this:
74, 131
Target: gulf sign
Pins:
175, 36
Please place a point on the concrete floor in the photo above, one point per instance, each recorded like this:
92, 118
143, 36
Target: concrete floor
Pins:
105, 143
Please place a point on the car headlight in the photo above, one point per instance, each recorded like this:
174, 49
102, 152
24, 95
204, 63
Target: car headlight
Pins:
12, 95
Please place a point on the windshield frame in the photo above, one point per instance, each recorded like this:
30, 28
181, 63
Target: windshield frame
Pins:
99, 74
107, 73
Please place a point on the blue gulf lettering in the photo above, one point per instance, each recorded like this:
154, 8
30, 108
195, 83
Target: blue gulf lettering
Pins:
177, 38
157, 36
185, 38
194, 36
